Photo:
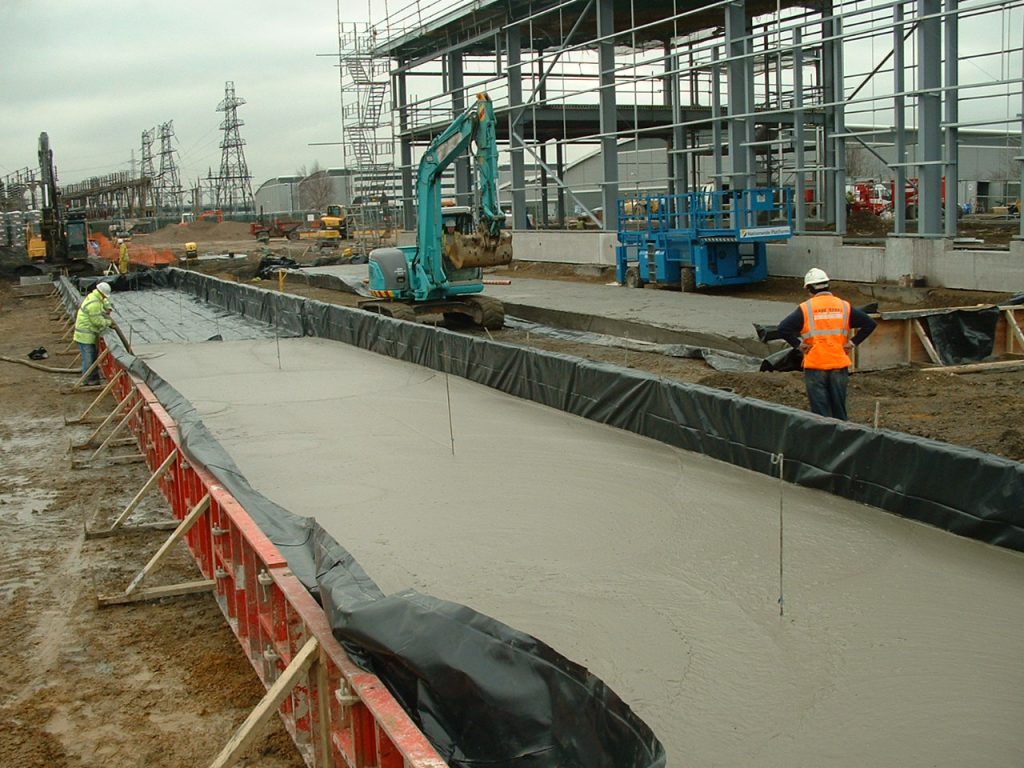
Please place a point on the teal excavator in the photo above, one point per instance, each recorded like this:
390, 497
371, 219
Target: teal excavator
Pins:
443, 273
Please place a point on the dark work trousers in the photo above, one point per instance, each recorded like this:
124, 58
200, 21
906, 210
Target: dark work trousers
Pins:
826, 391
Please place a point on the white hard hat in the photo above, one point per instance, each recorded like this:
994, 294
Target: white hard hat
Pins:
815, 276
104, 288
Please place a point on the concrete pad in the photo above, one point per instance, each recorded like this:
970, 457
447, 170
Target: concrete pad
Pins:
655, 568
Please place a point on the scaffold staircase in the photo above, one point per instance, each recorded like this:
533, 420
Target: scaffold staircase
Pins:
368, 134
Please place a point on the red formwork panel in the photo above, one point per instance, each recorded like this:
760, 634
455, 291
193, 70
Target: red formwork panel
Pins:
338, 714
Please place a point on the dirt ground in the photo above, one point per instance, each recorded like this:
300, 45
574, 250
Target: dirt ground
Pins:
159, 685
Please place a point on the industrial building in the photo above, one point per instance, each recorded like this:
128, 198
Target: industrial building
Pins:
611, 98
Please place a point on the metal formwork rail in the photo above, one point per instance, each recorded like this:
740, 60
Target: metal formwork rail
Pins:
337, 714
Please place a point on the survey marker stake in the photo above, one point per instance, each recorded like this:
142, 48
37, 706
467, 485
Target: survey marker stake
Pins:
119, 524
293, 674
778, 460
132, 593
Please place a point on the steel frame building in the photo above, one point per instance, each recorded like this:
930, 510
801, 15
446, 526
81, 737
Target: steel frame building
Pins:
738, 92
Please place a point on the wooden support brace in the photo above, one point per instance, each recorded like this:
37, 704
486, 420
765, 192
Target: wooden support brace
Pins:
121, 442
134, 503
154, 562
106, 390
103, 446
157, 593
78, 385
270, 703
994, 366
925, 341
103, 425
1011, 323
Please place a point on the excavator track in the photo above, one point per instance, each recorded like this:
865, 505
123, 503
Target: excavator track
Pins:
480, 311
396, 309
488, 313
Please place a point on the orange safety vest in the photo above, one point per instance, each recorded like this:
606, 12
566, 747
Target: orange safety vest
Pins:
825, 333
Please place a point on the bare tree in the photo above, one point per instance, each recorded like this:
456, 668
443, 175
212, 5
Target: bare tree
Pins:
860, 164
315, 190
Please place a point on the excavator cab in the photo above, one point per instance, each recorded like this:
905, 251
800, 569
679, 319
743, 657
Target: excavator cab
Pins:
457, 218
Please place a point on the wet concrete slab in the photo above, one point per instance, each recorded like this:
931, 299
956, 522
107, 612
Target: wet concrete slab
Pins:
166, 315
656, 569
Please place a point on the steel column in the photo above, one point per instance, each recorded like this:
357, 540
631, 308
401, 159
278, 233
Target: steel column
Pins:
456, 85
929, 117
607, 108
739, 73
952, 103
514, 76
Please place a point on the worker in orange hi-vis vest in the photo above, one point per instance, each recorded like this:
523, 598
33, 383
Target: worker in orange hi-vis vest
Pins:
821, 327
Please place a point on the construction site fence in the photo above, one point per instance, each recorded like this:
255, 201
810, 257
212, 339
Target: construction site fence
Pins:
337, 713
957, 489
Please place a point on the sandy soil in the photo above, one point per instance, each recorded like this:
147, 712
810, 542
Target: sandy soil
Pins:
160, 685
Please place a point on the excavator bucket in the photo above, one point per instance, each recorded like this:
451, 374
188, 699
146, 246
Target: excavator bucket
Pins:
480, 249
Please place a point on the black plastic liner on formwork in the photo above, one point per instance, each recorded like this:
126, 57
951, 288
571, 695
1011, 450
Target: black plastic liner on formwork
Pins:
482, 692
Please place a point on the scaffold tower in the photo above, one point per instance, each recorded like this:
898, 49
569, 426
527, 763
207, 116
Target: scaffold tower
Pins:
367, 128
234, 182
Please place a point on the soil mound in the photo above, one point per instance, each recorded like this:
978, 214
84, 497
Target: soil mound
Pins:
208, 231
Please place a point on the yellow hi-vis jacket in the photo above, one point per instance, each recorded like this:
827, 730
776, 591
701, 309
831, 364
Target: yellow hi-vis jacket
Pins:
92, 318
826, 332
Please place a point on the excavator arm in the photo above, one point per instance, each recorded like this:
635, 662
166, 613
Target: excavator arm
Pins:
489, 246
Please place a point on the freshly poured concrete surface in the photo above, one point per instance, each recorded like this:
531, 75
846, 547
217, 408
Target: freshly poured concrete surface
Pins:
655, 568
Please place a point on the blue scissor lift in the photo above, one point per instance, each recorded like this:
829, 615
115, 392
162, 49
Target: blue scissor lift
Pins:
701, 239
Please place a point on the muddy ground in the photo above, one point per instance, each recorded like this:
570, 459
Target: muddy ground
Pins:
157, 685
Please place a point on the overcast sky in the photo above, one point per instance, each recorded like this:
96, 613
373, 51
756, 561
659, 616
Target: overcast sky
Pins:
95, 75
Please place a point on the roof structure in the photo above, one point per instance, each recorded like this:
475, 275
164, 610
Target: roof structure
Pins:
472, 27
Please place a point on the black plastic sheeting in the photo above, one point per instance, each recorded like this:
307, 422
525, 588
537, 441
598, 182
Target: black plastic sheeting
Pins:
482, 692
964, 336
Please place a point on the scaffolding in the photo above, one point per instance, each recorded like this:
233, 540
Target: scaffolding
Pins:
613, 97
368, 134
